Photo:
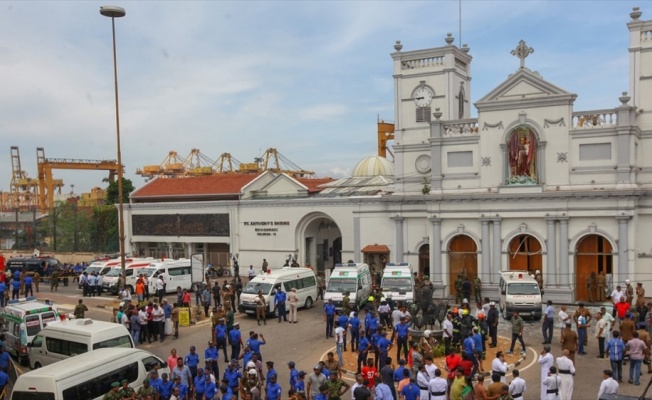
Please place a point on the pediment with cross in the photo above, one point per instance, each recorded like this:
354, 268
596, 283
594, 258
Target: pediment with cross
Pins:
523, 87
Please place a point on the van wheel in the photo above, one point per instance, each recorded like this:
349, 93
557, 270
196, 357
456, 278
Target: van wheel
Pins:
308, 303
37, 365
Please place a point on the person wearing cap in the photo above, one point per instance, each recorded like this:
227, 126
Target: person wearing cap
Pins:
548, 323
293, 299
255, 344
365, 346
273, 390
354, 327
329, 317
402, 331
126, 391
192, 361
300, 384
629, 291
165, 387
210, 388
294, 374
221, 337
270, 371
251, 380
235, 337
279, 304
114, 393
155, 380
336, 386
199, 384
211, 355
233, 375
315, 380
146, 390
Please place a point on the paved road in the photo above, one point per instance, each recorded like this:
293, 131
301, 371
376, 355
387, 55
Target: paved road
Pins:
305, 344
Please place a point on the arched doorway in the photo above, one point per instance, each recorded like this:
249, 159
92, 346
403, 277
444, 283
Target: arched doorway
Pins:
525, 254
462, 259
593, 254
322, 242
424, 260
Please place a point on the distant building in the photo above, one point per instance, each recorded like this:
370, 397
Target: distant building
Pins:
531, 184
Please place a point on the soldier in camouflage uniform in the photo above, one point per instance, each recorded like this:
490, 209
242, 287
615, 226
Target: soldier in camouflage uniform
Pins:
458, 289
54, 282
126, 391
346, 304
477, 289
146, 390
114, 393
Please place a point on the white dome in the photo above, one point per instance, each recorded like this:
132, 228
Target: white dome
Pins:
373, 166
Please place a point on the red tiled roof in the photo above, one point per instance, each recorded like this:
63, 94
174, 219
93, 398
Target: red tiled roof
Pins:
213, 185
375, 248
313, 183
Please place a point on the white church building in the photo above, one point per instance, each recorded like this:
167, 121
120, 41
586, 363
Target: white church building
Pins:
530, 184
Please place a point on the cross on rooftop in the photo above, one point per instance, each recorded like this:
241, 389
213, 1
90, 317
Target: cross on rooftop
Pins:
522, 51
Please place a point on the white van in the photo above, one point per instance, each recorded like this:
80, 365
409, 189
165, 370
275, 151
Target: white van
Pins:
23, 320
87, 376
303, 279
110, 279
398, 283
519, 292
354, 278
65, 339
176, 273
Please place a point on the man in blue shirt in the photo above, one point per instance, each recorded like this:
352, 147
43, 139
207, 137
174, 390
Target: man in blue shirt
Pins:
270, 371
226, 392
92, 281
28, 285
401, 331
398, 374
232, 374
294, 374
469, 352
210, 389
255, 344
15, 285
329, 317
411, 391
371, 323
220, 337
375, 338
363, 351
165, 388
323, 393
279, 304
155, 381
616, 349
3, 289
182, 387
5, 360
273, 389
200, 384
4, 380
235, 337
548, 323
212, 353
383, 347
354, 326
300, 385
192, 360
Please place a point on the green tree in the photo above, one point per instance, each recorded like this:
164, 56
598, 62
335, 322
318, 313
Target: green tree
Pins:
112, 192
105, 229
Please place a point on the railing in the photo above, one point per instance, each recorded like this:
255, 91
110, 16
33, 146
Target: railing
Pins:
423, 63
462, 127
595, 119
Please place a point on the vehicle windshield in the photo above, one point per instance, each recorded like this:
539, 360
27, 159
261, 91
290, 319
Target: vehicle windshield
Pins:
340, 285
149, 271
254, 287
91, 270
397, 284
114, 272
523, 289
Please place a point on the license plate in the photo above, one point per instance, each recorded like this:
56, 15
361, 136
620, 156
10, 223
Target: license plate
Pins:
249, 311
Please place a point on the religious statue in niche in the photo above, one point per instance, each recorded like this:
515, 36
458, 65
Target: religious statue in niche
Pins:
522, 156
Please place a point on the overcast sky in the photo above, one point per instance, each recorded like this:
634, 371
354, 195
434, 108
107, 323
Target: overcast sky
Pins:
309, 78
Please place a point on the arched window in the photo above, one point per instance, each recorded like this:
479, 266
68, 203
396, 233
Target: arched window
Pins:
460, 105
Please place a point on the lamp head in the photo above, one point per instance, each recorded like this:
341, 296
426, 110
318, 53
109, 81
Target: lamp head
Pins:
112, 11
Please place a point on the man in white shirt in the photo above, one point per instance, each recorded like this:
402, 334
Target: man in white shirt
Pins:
447, 326
550, 387
158, 316
437, 387
160, 287
600, 333
546, 362
517, 386
608, 385
358, 382
124, 320
615, 297
431, 368
499, 366
563, 316
609, 320
566, 371
339, 344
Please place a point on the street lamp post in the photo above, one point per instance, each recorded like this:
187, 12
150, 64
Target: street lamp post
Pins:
114, 12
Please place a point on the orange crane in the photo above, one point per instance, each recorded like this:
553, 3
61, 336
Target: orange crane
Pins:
24, 191
197, 164
274, 161
46, 183
227, 164
172, 166
385, 134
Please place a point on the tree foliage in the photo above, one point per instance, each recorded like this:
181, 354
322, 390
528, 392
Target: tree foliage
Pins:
112, 191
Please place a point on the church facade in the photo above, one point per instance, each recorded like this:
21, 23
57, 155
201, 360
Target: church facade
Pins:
530, 184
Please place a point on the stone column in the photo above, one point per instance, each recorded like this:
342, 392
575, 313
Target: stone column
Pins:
435, 140
435, 252
551, 255
623, 245
497, 251
357, 255
397, 255
541, 170
485, 252
564, 270
205, 253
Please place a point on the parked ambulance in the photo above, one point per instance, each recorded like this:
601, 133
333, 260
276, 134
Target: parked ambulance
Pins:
352, 278
110, 279
398, 283
519, 292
